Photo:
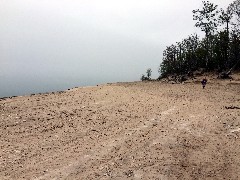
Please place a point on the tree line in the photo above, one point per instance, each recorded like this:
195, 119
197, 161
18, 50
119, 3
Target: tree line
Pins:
218, 50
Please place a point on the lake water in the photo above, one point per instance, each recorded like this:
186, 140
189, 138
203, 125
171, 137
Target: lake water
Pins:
17, 86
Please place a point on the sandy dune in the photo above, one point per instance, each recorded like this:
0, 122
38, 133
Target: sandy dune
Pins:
142, 130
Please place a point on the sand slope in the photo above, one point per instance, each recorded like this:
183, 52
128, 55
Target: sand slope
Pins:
137, 130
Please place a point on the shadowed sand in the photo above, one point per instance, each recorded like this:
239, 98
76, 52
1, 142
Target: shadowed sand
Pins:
142, 130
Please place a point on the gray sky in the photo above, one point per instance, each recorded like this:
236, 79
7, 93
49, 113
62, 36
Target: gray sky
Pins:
95, 40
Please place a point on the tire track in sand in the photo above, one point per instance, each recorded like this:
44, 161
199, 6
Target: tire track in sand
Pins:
104, 149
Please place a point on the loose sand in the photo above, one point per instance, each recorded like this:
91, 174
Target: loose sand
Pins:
142, 130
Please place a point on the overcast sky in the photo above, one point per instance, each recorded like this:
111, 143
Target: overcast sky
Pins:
89, 40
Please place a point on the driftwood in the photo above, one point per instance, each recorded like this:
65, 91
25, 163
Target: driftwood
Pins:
226, 74
232, 107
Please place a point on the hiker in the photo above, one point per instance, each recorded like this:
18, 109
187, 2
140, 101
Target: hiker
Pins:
204, 82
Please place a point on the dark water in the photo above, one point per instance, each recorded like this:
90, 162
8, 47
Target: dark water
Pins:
18, 86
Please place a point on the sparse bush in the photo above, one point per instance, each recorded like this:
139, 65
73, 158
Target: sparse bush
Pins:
149, 73
148, 76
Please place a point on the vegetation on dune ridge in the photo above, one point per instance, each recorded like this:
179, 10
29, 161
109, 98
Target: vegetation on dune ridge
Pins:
219, 50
